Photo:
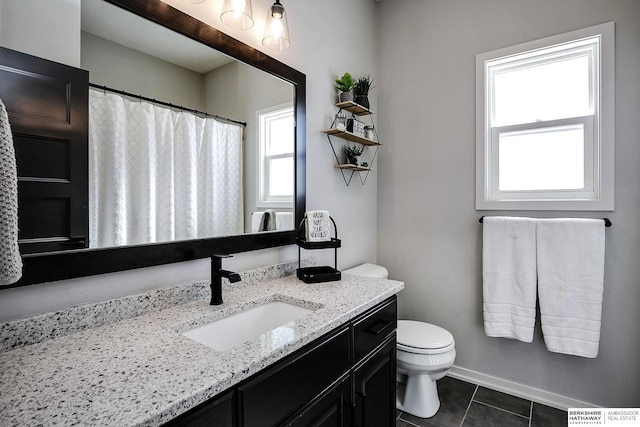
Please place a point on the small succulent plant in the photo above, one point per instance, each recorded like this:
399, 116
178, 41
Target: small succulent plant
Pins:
352, 152
345, 83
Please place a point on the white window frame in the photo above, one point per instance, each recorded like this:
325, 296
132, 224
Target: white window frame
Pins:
264, 199
598, 193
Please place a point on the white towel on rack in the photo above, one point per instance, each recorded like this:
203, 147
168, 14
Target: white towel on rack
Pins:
10, 261
509, 277
570, 284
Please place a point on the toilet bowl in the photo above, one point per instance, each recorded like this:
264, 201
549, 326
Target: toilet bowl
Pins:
424, 354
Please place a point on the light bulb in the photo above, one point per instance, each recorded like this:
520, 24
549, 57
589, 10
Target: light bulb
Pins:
238, 6
276, 29
237, 14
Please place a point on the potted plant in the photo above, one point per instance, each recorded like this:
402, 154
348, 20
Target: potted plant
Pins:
353, 153
344, 85
362, 86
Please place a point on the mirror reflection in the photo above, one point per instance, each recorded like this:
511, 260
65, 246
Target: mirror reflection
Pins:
213, 156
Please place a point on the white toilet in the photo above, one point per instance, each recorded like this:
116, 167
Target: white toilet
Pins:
425, 353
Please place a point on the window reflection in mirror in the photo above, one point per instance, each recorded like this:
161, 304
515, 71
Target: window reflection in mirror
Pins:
276, 156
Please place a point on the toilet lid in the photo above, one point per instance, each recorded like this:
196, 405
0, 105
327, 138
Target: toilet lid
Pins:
417, 336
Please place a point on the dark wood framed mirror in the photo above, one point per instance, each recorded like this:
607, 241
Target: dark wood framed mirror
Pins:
53, 266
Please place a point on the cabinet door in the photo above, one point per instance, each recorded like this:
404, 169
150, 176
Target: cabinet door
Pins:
275, 395
217, 412
375, 388
48, 107
332, 409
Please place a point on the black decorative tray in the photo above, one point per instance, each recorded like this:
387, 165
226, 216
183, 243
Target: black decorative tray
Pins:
333, 243
318, 274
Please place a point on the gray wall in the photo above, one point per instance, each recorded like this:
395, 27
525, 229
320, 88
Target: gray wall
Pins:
57, 22
428, 230
121, 67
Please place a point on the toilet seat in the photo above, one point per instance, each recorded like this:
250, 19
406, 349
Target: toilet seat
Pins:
423, 338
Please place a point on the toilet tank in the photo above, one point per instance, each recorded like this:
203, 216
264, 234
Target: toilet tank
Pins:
369, 270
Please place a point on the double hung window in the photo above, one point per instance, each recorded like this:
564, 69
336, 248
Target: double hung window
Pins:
276, 138
545, 124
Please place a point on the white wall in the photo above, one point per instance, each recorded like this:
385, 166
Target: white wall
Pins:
428, 230
319, 51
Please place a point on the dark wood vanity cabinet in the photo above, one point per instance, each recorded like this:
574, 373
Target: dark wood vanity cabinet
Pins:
272, 396
345, 378
373, 393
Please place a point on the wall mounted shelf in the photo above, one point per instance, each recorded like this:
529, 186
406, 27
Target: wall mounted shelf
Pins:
348, 170
353, 167
350, 136
353, 108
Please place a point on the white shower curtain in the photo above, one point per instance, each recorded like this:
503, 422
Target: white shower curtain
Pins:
157, 175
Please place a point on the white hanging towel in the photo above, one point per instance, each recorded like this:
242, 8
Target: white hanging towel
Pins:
318, 225
570, 284
509, 277
10, 261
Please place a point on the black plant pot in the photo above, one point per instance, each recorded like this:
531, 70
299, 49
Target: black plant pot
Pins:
363, 100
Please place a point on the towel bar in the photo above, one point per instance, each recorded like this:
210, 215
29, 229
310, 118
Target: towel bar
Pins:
607, 221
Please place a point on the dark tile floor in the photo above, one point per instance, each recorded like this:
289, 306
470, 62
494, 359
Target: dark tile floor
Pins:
463, 404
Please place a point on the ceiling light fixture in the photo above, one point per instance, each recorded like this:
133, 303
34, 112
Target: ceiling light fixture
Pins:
237, 14
276, 31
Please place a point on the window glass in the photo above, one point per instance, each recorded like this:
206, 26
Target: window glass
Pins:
277, 144
280, 173
543, 159
280, 134
547, 91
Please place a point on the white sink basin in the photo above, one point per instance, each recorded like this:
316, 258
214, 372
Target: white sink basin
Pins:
228, 332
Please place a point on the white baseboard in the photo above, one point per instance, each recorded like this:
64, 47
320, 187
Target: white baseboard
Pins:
516, 389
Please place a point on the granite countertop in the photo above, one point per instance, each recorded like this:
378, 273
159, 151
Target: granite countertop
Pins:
141, 371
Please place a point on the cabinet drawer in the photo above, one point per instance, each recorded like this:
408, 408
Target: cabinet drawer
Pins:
215, 412
284, 389
373, 327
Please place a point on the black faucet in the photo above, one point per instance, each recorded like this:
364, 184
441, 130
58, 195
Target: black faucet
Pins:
217, 273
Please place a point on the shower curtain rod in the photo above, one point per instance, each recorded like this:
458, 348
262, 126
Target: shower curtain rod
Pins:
167, 104
607, 221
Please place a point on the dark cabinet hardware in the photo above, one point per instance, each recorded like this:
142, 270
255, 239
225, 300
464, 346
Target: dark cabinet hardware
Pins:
379, 326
